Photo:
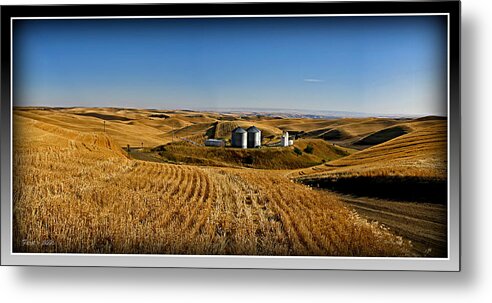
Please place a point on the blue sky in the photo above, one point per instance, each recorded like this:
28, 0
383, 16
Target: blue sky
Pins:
388, 65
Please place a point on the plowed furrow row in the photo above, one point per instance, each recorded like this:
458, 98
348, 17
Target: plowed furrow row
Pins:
192, 200
297, 214
176, 184
206, 205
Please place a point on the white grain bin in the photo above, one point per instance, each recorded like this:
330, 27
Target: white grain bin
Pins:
254, 137
239, 138
214, 142
285, 139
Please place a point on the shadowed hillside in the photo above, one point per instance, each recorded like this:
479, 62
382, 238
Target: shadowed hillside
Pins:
410, 167
384, 135
419, 153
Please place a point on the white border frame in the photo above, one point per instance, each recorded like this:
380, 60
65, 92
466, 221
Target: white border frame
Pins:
451, 263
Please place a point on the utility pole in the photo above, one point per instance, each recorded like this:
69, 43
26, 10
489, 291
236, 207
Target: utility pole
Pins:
104, 125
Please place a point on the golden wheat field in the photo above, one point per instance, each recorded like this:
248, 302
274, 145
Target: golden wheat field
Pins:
76, 189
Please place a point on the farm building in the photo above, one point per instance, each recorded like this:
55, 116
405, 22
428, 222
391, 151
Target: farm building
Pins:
285, 139
214, 142
254, 137
239, 138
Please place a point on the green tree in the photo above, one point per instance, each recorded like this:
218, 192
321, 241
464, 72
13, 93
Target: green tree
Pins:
309, 149
297, 151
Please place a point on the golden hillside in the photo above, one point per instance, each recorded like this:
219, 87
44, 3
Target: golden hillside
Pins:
75, 188
422, 152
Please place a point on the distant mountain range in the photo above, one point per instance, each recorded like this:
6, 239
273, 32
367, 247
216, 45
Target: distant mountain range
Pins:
299, 113
269, 112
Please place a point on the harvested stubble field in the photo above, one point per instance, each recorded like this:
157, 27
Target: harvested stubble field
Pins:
78, 192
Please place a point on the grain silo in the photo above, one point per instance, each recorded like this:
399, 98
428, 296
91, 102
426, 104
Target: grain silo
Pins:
285, 139
254, 137
239, 138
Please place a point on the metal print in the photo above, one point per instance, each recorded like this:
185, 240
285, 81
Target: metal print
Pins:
315, 137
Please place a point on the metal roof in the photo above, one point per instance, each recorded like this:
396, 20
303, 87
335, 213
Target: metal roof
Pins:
253, 129
238, 130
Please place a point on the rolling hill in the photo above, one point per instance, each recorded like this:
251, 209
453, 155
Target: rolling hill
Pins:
411, 167
75, 187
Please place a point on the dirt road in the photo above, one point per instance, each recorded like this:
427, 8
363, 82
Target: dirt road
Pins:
422, 223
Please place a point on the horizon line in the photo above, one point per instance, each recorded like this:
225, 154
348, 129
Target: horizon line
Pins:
322, 112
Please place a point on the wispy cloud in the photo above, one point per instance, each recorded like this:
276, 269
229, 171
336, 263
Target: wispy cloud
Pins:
312, 80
